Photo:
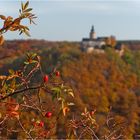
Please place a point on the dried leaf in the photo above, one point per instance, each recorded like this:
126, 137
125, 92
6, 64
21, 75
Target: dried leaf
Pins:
27, 33
20, 32
71, 93
65, 110
14, 114
17, 21
2, 77
70, 104
31, 21
12, 110
1, 40
22, 6
28, 10
3, 17
9, 18
26, 4
17, 107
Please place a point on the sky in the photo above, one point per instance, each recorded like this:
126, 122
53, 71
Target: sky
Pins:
71, 20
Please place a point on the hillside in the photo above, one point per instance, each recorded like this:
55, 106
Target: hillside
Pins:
99, 81
15, 48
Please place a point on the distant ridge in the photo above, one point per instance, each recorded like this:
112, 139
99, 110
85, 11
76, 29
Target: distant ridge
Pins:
131, 44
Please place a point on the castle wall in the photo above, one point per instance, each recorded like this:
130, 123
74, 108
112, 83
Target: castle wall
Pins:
94, 44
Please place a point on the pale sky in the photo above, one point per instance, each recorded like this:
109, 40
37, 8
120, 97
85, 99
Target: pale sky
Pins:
72, 19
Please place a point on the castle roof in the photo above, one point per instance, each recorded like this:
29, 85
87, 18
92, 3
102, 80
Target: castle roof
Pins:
88, 39
102, 38
96, 39
92, 28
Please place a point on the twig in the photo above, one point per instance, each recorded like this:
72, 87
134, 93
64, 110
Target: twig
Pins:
24, 129
19, 91
4, 119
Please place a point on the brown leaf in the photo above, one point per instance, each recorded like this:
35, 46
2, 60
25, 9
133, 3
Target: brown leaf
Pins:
27, 33
65, 110
28, 10
16, 107
22, 6
14, 114
17, 21
1, 40
26, 4
12, 110
9, 18
3, 17
2, 77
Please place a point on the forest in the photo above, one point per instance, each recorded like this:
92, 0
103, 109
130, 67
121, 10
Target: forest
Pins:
105, 82
55, 90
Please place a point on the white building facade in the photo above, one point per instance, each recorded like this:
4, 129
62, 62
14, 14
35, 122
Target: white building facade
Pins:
92, 43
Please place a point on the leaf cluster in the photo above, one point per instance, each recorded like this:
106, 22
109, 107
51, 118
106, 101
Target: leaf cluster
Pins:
15, 24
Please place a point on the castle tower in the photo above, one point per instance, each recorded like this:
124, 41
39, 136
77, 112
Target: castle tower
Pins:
92, 34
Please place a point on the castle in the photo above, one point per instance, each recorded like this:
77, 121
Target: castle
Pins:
100, 43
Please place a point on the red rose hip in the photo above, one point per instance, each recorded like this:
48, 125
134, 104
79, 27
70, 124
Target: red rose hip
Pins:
46, 78
92, 112
57, 73
41, 124
48, 114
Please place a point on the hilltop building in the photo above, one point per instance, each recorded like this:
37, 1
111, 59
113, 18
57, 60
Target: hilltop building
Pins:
91, 43
98, 44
